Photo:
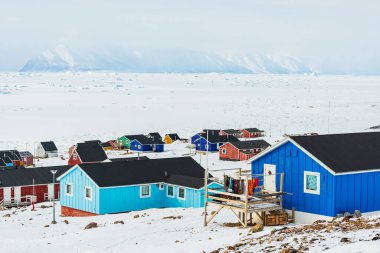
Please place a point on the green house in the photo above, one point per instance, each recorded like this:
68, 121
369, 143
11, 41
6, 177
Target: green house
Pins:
124, 141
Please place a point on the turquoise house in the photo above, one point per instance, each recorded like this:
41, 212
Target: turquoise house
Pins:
104, 188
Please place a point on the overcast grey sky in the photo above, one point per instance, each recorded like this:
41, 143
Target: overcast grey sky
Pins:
331, 32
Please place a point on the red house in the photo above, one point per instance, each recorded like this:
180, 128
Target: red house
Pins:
251, 133
19, 186
241, 150
27, 158
88, 152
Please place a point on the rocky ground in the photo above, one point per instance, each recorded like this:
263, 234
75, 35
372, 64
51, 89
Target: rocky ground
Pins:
339, 235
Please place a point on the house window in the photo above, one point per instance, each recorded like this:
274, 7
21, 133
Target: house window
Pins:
75, 156
69, 189
88, 193
312, 182
144, 191
170, 192
181, 193
139, 146
224, 151
161, 186
206, 146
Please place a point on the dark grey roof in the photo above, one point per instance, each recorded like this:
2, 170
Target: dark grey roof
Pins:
211, 131
135, 158
25, 154
231, 131
132, 137
155, 136
145, 171
25, 176
174, 137
186, 181
250, 144
49, 146
106, 144
344, 152
219, 138
146, 141
10, 155
253, 130
90, 152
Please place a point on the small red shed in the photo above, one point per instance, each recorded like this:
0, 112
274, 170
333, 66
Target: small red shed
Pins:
27, 158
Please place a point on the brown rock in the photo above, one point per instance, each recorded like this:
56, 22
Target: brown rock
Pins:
345, 239
91, 225
136, 216
119, 222
256, 228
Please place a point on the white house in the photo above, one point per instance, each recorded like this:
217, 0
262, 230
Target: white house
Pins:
46, 149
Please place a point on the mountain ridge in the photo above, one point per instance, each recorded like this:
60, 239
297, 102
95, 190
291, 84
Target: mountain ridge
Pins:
62, 59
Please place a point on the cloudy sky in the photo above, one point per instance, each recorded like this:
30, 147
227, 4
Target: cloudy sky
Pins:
328, 33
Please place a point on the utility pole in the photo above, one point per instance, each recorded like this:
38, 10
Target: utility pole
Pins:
53, 172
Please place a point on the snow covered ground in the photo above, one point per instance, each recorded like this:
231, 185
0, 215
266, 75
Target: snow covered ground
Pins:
73, 107
155, 230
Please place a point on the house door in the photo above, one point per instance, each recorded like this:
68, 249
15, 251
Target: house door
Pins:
7, 194
270, 177
17, 194
51, 192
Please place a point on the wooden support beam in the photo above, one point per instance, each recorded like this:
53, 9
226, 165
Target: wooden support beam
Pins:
242, 223
213, 215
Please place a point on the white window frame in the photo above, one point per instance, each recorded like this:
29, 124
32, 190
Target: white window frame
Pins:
71, 188
161, 186
75, 156
139, 146
167, 191
85, 191
184, 193
150, 191
310, 173
224, 151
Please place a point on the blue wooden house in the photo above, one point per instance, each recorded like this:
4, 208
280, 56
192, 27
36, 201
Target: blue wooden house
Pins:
102, 188
212, 142
326, 175
146, 144
195, 137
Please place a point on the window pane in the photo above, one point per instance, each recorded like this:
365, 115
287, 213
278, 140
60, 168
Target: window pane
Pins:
68, 188
145, 190
170, 191
311, 182
181, 193
88, 193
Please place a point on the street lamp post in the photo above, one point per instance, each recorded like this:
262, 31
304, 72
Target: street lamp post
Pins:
53, 172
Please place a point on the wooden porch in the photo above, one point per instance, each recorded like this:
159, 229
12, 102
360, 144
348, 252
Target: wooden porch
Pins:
245, 206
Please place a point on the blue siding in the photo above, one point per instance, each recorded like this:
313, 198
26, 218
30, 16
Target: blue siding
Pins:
79, 181
293, 162
357, 192
158, 148
127, 198
200, 145
124, 198
194, 138
137, 146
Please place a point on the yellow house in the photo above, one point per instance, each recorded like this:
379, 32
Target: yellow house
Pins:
170, 138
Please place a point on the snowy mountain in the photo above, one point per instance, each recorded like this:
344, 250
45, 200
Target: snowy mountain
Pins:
162, 61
